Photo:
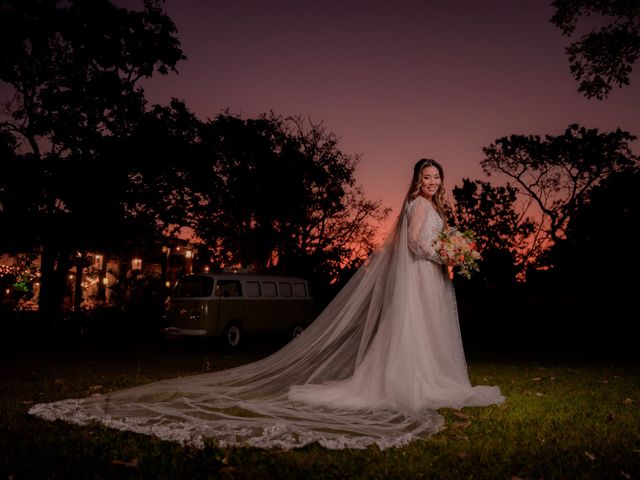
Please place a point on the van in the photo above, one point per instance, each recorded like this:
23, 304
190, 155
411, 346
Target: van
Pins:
232, 305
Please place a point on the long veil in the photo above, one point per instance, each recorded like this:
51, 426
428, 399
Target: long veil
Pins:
251, 404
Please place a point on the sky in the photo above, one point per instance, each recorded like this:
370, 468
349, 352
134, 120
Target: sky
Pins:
395, 81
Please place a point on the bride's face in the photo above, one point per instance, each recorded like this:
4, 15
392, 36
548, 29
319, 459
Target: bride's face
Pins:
431, 181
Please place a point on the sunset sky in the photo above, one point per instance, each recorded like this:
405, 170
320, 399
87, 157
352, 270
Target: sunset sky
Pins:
395, 81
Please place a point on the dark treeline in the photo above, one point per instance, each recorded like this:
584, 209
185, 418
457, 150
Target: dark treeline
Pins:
558, 243
86, 163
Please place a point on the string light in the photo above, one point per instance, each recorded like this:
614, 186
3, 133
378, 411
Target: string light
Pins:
26, 274
21, 274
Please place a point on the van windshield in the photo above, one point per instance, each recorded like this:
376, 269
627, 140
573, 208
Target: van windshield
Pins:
193, 286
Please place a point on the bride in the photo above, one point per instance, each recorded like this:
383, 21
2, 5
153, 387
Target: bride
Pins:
373, 368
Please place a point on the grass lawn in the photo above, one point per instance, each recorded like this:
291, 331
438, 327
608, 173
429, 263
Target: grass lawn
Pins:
563, 419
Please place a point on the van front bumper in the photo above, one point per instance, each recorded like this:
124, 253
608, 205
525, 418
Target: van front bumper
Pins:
187, 332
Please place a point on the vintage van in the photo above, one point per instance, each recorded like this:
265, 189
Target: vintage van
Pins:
232, 305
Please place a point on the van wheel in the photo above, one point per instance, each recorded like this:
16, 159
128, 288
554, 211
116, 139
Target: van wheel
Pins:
233, 334
297, 331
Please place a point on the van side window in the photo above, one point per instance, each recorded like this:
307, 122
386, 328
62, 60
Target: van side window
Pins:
252, 289
269, 289
228, 288
285, 289
299, 289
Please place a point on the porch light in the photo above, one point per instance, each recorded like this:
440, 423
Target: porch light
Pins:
167, 284
188, 254
136, 264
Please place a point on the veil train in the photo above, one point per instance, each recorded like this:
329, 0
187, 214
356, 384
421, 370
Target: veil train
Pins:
258, 404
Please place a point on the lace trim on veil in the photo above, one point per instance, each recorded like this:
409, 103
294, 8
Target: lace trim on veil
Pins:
272, 433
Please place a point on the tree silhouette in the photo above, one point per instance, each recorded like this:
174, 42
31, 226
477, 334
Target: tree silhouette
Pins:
281, 196
163, 164
589, 281
74, 68
86, 164
502, 233
605, 56
556, 173
607, 219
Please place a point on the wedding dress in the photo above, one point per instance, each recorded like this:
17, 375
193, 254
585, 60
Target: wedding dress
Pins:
373, 368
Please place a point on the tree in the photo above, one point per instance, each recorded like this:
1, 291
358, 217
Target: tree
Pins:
74, 68
607, 220
589, 281
163, 165
502, 233
75, 65
556, 173
337, 228
281, 196
605, 56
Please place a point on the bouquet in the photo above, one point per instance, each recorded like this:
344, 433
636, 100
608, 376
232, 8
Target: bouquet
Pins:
459, 250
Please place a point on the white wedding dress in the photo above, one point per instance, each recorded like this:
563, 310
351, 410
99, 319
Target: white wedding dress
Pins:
371, 369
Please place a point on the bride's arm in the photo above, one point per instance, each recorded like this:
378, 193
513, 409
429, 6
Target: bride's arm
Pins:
421, 245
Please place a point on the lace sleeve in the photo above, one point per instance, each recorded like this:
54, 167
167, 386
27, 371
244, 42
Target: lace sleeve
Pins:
422, 230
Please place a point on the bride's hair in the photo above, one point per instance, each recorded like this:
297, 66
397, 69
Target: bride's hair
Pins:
416, 184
